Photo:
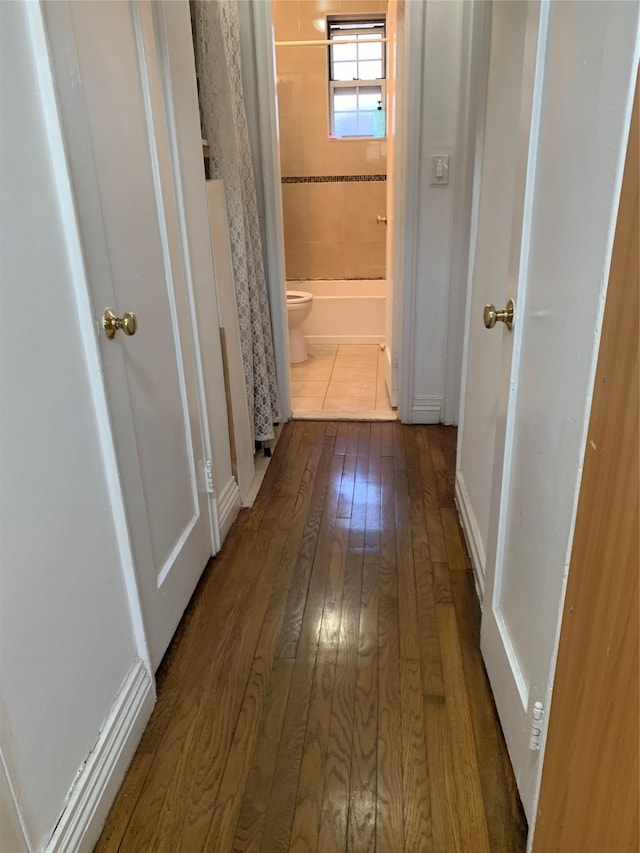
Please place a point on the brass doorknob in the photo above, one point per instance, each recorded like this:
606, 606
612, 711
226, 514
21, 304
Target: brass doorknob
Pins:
381, 220
111, 323
492, 316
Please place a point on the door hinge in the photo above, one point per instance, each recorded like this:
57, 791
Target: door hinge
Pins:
208, 477
537, 720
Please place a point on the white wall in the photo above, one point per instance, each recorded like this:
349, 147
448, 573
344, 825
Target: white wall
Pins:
444, 97
468, 160
449, 92
435, 33
66, 635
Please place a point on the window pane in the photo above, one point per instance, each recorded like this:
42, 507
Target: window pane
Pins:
345, 70
354, 104
370, 70
346, 124
365, 124
343, 52
369, 50
368, 98
345, 100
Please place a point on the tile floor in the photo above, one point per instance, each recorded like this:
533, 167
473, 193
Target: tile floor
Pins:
346, 380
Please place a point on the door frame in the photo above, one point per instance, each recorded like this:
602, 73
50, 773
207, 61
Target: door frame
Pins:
407, 234
260, 96
469, 154
406, 207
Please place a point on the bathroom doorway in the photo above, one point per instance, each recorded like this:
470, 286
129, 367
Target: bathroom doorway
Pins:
338, 81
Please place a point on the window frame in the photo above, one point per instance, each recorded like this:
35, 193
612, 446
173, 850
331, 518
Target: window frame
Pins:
379, 83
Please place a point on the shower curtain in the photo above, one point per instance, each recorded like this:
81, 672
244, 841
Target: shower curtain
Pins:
224, 124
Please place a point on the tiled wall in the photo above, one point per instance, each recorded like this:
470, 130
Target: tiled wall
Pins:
330, 226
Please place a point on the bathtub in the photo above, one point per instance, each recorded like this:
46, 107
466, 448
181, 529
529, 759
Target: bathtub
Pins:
344, 312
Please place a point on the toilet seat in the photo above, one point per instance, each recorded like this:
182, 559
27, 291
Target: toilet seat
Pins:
298, 297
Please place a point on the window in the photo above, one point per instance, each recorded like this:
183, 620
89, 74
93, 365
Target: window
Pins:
356, 76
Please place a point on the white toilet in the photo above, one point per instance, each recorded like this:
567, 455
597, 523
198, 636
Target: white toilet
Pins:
298, 307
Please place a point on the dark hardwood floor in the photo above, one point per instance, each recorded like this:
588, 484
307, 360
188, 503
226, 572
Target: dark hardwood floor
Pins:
325, 689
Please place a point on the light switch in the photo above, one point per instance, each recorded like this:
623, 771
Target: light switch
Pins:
439, 169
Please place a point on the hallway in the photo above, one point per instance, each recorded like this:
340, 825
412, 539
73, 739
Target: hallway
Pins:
325, 689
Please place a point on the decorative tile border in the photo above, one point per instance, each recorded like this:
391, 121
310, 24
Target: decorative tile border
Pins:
342, 278
332, 179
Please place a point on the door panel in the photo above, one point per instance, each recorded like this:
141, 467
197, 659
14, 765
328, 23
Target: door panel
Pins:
125, 190
176, 506
500, 636
137, 238
499, 228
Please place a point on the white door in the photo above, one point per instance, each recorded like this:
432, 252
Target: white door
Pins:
499, 230
497, 277
553, 115
110, 87
395, 82
500, 275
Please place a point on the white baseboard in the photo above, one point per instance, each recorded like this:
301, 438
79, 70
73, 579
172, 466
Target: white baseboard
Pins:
471, 531
97, 784
14, 835
426, 409
344, 339
228, 503
261, 463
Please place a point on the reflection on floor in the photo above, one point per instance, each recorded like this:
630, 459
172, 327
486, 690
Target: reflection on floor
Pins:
345, 380
325, 689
